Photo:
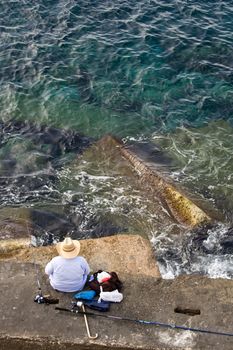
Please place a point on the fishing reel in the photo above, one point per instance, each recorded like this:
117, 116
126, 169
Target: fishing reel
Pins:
40, 299
91, 304
76, 306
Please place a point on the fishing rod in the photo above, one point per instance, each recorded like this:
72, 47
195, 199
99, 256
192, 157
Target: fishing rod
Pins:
40, 298
160, 324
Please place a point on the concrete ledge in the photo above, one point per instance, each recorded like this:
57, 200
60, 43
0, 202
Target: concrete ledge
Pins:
17, 343
28, 325
11, 247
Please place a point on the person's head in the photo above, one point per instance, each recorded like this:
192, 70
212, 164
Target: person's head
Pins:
69, 248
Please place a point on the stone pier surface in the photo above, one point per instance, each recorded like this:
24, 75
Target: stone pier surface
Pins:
25, 325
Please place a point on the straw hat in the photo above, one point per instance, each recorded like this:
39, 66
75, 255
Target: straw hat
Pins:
69, 248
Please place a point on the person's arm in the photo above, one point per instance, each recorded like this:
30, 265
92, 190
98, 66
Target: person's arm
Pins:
49, 268
86, 267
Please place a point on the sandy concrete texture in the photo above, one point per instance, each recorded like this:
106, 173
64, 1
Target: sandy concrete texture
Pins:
122, 253
28, 325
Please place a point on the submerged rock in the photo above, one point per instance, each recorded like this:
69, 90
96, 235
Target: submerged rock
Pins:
54, 223
49, 142
106, 194
94, 226
183, 209
44, 226
30, 154
52, 141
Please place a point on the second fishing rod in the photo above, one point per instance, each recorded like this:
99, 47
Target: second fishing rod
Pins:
155, 323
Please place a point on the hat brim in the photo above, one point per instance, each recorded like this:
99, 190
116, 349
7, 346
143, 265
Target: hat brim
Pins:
68, 255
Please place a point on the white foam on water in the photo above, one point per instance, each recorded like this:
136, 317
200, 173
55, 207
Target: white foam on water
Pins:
215, 267
97, 178
192, 253
167, 274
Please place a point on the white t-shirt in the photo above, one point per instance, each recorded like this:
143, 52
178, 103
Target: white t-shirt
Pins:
67, 275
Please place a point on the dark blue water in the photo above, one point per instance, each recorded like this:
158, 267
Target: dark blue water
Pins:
158, 71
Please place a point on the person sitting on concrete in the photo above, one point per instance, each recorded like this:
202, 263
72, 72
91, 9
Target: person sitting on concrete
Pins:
68, 271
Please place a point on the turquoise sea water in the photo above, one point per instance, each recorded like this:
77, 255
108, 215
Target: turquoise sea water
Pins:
157, 71
127, 67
